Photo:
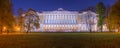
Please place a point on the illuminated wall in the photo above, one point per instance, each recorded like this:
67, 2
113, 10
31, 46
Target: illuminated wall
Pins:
67, 21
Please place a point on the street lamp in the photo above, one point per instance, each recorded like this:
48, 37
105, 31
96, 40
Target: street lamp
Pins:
17, 28
4, 28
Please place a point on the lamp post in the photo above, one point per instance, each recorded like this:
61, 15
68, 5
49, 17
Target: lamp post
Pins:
4, 28
17, 28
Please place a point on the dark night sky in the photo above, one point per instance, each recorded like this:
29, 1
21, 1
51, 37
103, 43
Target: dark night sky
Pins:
45, 5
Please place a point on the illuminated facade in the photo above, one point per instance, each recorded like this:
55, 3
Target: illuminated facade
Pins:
67, 21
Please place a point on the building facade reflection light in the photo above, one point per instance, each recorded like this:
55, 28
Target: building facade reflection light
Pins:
65, 20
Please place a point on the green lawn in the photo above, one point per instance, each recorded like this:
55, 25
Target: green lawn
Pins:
60, 40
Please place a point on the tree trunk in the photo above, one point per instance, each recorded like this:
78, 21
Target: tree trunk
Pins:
109, 28
101, 28
118, 29
90, 28
1, 29
27, 31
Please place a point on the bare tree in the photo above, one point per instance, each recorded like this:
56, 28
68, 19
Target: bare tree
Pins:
31, 20
89, 20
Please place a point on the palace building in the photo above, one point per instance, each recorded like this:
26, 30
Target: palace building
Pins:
67, 21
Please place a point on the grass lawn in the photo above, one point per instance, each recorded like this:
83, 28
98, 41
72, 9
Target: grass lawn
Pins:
60, 40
